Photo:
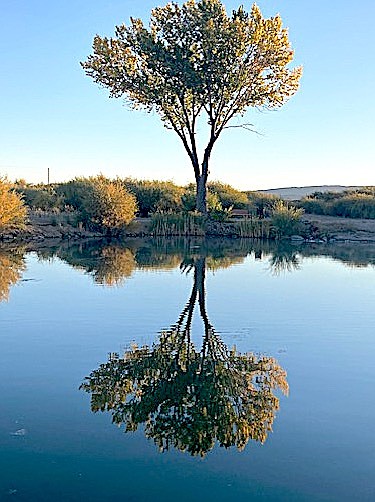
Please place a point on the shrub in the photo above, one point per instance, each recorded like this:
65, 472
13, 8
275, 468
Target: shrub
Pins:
359, 203
261, 204
356, 205
227, 195
13, 212
285, 219
106, 204
313, 206
214, 205
153, 196
73, 192
40, 197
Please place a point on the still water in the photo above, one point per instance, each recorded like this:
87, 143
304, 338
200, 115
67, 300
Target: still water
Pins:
160, 371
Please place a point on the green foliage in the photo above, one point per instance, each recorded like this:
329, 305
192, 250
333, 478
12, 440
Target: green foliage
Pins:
286, 219
228, 196
13, 212
195, 60
188, 200
155, 195
220, 199
254, 228
74, 191
261, 204
43, 197
167, 224
106, 204
358, 203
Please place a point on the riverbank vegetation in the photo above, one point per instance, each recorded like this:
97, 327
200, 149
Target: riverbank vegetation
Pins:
99, 203
12, 209
359, 203
162, 208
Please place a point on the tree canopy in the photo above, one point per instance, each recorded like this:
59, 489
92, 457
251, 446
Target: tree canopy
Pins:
196, 60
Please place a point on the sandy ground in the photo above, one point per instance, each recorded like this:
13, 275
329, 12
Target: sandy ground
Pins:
344, 228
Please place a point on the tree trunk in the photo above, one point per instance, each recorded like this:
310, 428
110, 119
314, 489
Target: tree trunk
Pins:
201, 204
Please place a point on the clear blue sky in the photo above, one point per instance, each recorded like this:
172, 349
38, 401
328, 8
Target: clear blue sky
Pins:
53, 116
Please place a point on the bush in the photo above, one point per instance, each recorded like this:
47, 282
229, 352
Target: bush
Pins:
214, 205
73, 192
41, 197
261, 204
153, 196
358, 203
285, 219
107, 204
13, 212
228, 196
313, 206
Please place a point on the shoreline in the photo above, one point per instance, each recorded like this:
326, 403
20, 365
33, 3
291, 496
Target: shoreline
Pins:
324, 229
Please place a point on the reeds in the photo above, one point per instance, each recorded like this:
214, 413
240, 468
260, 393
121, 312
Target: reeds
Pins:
177, 224
254, 229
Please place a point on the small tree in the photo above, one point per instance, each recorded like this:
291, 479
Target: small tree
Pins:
12, 209
195, 61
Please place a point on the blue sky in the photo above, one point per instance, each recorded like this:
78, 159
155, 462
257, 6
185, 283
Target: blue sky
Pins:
53, 116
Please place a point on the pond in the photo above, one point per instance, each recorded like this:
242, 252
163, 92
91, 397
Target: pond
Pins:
188, 370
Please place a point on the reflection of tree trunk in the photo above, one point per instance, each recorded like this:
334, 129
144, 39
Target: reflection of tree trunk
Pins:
173, 388
199, 279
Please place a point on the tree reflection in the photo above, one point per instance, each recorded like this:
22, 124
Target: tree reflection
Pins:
187, 398
284, 259
12, 265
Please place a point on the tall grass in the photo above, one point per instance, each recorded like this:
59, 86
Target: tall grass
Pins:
254, 228
285, 219
177, 224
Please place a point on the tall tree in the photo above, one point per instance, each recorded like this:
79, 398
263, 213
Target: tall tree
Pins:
196, 61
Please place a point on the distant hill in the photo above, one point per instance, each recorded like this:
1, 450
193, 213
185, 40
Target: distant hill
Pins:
296, 193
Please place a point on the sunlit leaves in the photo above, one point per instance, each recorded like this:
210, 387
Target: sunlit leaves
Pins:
107, 203
195, 60
13, 212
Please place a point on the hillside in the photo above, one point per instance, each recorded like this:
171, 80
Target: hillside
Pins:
296, 193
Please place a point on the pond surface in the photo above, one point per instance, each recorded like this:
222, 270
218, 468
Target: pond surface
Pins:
149, 371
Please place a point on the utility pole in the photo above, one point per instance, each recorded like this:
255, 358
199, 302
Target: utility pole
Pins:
47, 175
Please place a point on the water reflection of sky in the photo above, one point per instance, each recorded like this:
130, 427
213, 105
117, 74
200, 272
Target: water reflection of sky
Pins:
317, 321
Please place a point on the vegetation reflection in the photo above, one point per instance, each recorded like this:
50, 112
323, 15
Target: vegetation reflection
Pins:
12, 265
187, 398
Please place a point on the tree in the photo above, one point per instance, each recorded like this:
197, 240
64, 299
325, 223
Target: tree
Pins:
196, 61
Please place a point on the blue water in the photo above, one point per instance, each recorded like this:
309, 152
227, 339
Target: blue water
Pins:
59, 323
